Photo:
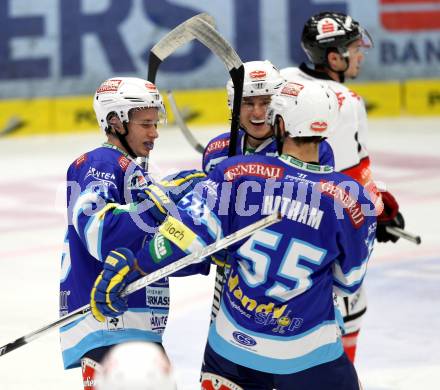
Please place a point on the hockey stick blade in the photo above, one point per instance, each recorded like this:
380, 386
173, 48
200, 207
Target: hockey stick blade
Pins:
173, 40
182, 125
395, 231
153, 277
13, 124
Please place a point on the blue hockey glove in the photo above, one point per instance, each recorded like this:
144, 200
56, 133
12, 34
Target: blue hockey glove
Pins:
120, 269
170, 190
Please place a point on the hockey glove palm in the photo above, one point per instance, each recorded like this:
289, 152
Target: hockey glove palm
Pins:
390, 216
120, 268
170, 190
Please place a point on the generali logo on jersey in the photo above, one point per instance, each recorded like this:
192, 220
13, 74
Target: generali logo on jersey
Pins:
111, 85
257, 74
265, 171
351, 205
123, 162
217, 145
291, 89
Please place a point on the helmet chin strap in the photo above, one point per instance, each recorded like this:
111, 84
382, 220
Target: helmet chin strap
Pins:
123, 140
278, 137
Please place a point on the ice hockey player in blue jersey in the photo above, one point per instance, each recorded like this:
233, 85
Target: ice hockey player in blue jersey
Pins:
276, 328
261, 80
103, 211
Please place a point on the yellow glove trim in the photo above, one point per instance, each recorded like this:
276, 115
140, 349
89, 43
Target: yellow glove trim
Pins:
179, 182
115, 280
158, 197
95, 312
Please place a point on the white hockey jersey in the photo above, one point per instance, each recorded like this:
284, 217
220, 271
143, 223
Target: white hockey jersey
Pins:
350, 137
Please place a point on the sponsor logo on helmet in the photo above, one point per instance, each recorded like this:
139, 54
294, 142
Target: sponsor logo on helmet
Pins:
291, 89
266, 171
327, 26
318, 126
107, 86
244, 339
151, 87
351, 206
257, 74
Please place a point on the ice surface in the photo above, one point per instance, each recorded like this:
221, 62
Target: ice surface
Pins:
399, 345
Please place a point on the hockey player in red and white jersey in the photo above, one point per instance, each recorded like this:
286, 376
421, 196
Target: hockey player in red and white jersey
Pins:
334, 44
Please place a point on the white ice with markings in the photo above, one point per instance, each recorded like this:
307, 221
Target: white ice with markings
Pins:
399, 345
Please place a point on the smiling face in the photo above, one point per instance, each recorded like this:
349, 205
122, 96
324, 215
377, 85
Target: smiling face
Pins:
252, 117
142, 130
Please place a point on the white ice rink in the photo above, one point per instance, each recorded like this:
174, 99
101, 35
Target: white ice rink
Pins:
399, 346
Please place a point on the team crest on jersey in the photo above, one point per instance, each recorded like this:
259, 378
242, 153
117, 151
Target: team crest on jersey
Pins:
291, 89
266, 171
109, 86
217, 145
352, 207
123, 162
80, 160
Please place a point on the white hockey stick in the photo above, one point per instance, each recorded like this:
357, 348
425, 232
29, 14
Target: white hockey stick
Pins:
395, 231
151, 278
176, 38
182, 125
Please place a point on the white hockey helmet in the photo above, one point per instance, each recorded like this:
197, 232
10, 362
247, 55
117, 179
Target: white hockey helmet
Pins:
121, 94
308, 108
136, 365
260, 78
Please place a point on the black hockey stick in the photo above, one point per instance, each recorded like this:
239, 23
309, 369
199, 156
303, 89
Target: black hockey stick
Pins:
395, 231
151, 278
182, 125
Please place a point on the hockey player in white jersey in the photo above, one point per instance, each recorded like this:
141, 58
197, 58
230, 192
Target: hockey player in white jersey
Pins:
276, 327
334, 44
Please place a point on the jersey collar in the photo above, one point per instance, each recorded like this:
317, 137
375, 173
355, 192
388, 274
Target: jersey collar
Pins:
314, 73
314, 168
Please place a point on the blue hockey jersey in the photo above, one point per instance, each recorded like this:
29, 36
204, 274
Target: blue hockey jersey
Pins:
217, 150
277, 312
102, 215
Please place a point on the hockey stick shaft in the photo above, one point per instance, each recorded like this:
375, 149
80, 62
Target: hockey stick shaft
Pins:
395, 231
153, 277
13, 125
182, 125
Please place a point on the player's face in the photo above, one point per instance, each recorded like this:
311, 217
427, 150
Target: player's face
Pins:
357, 55
252, 117
142, 130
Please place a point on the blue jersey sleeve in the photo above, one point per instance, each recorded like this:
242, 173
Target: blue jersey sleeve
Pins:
101, 214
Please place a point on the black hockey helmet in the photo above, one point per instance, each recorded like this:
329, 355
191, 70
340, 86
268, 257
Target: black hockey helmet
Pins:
331, 31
